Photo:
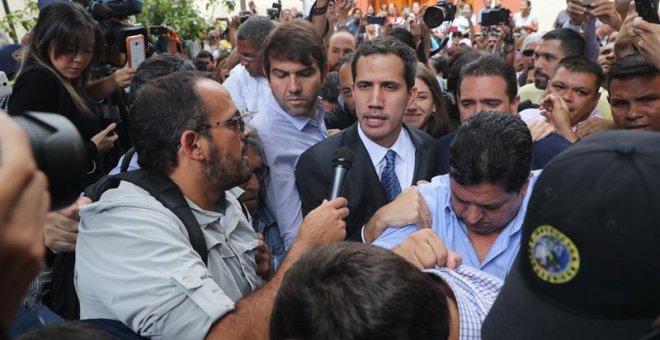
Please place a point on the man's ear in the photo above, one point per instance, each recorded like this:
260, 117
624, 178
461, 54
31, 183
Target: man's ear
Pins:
514, 105
192, 145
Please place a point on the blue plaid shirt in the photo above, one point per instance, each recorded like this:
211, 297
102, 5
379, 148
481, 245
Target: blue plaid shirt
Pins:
475, 293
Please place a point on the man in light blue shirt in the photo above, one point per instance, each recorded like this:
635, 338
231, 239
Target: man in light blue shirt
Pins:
478, 208
294, 60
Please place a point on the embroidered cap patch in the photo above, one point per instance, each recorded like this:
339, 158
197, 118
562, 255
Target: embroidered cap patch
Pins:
554, 257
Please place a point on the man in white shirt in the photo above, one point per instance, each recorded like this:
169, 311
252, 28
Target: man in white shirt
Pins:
247, 83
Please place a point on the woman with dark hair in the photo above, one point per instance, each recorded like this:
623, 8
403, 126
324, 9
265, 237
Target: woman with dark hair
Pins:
55, 72
428, 111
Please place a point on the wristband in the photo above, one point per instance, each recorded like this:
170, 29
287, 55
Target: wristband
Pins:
319, 10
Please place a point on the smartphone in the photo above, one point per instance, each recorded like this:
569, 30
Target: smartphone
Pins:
648, 10
136, 50
371, 20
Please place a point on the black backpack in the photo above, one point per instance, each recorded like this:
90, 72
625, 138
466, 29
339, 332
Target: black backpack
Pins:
62, 297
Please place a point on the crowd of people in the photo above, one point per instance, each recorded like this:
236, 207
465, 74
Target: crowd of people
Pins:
501, 180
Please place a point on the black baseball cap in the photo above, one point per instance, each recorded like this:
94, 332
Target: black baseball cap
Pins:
589, 259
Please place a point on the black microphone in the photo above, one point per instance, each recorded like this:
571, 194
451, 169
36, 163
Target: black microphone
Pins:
342, 164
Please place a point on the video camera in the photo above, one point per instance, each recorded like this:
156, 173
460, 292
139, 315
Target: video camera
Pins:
274, 12
495, 16
443, 11
105, 11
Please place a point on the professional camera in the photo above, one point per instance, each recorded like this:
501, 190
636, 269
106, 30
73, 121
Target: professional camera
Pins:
106, 13
274, 12
60, 153
495, 16
443, 11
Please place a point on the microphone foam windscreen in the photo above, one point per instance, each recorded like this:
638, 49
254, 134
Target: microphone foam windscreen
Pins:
343, 157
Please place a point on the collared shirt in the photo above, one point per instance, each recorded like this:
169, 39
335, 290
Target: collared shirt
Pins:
132, 164
247, 92
531, 115
404, 164
475, 293
285, 138
453, 232
135, 264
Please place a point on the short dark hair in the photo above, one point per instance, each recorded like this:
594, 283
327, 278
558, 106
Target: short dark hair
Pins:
492, 147
204, 54
402, 35
156, 66
388, 45
455, 64
583, 64
295, 40
352, 291
330, 89
571, 42
631, 66
163, 110
255, 30
490, 65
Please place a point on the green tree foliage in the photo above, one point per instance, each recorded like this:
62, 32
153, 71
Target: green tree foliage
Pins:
24, 18
181, 15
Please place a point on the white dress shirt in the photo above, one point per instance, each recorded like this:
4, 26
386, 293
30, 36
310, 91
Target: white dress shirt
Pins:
404, 164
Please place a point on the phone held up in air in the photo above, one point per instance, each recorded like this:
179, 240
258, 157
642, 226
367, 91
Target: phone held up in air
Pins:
648, 10
136, 49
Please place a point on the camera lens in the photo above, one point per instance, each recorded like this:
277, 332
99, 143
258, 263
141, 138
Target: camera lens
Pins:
60, 153
434, 16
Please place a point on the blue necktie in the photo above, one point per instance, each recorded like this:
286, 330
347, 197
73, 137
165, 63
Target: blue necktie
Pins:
388, 178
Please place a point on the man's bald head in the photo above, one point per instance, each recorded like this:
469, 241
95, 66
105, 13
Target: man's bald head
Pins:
340, 44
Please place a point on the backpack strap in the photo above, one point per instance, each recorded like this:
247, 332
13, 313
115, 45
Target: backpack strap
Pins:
167, 193
126, 161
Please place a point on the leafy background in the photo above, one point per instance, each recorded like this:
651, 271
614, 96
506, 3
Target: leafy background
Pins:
181, 15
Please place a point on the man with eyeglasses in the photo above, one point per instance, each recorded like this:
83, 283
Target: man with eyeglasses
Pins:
247, 83
135, 264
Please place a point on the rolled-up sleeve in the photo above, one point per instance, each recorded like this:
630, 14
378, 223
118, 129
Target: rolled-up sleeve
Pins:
136, 265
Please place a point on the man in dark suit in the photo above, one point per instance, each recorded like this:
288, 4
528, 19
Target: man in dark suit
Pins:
489, 84
388, 156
